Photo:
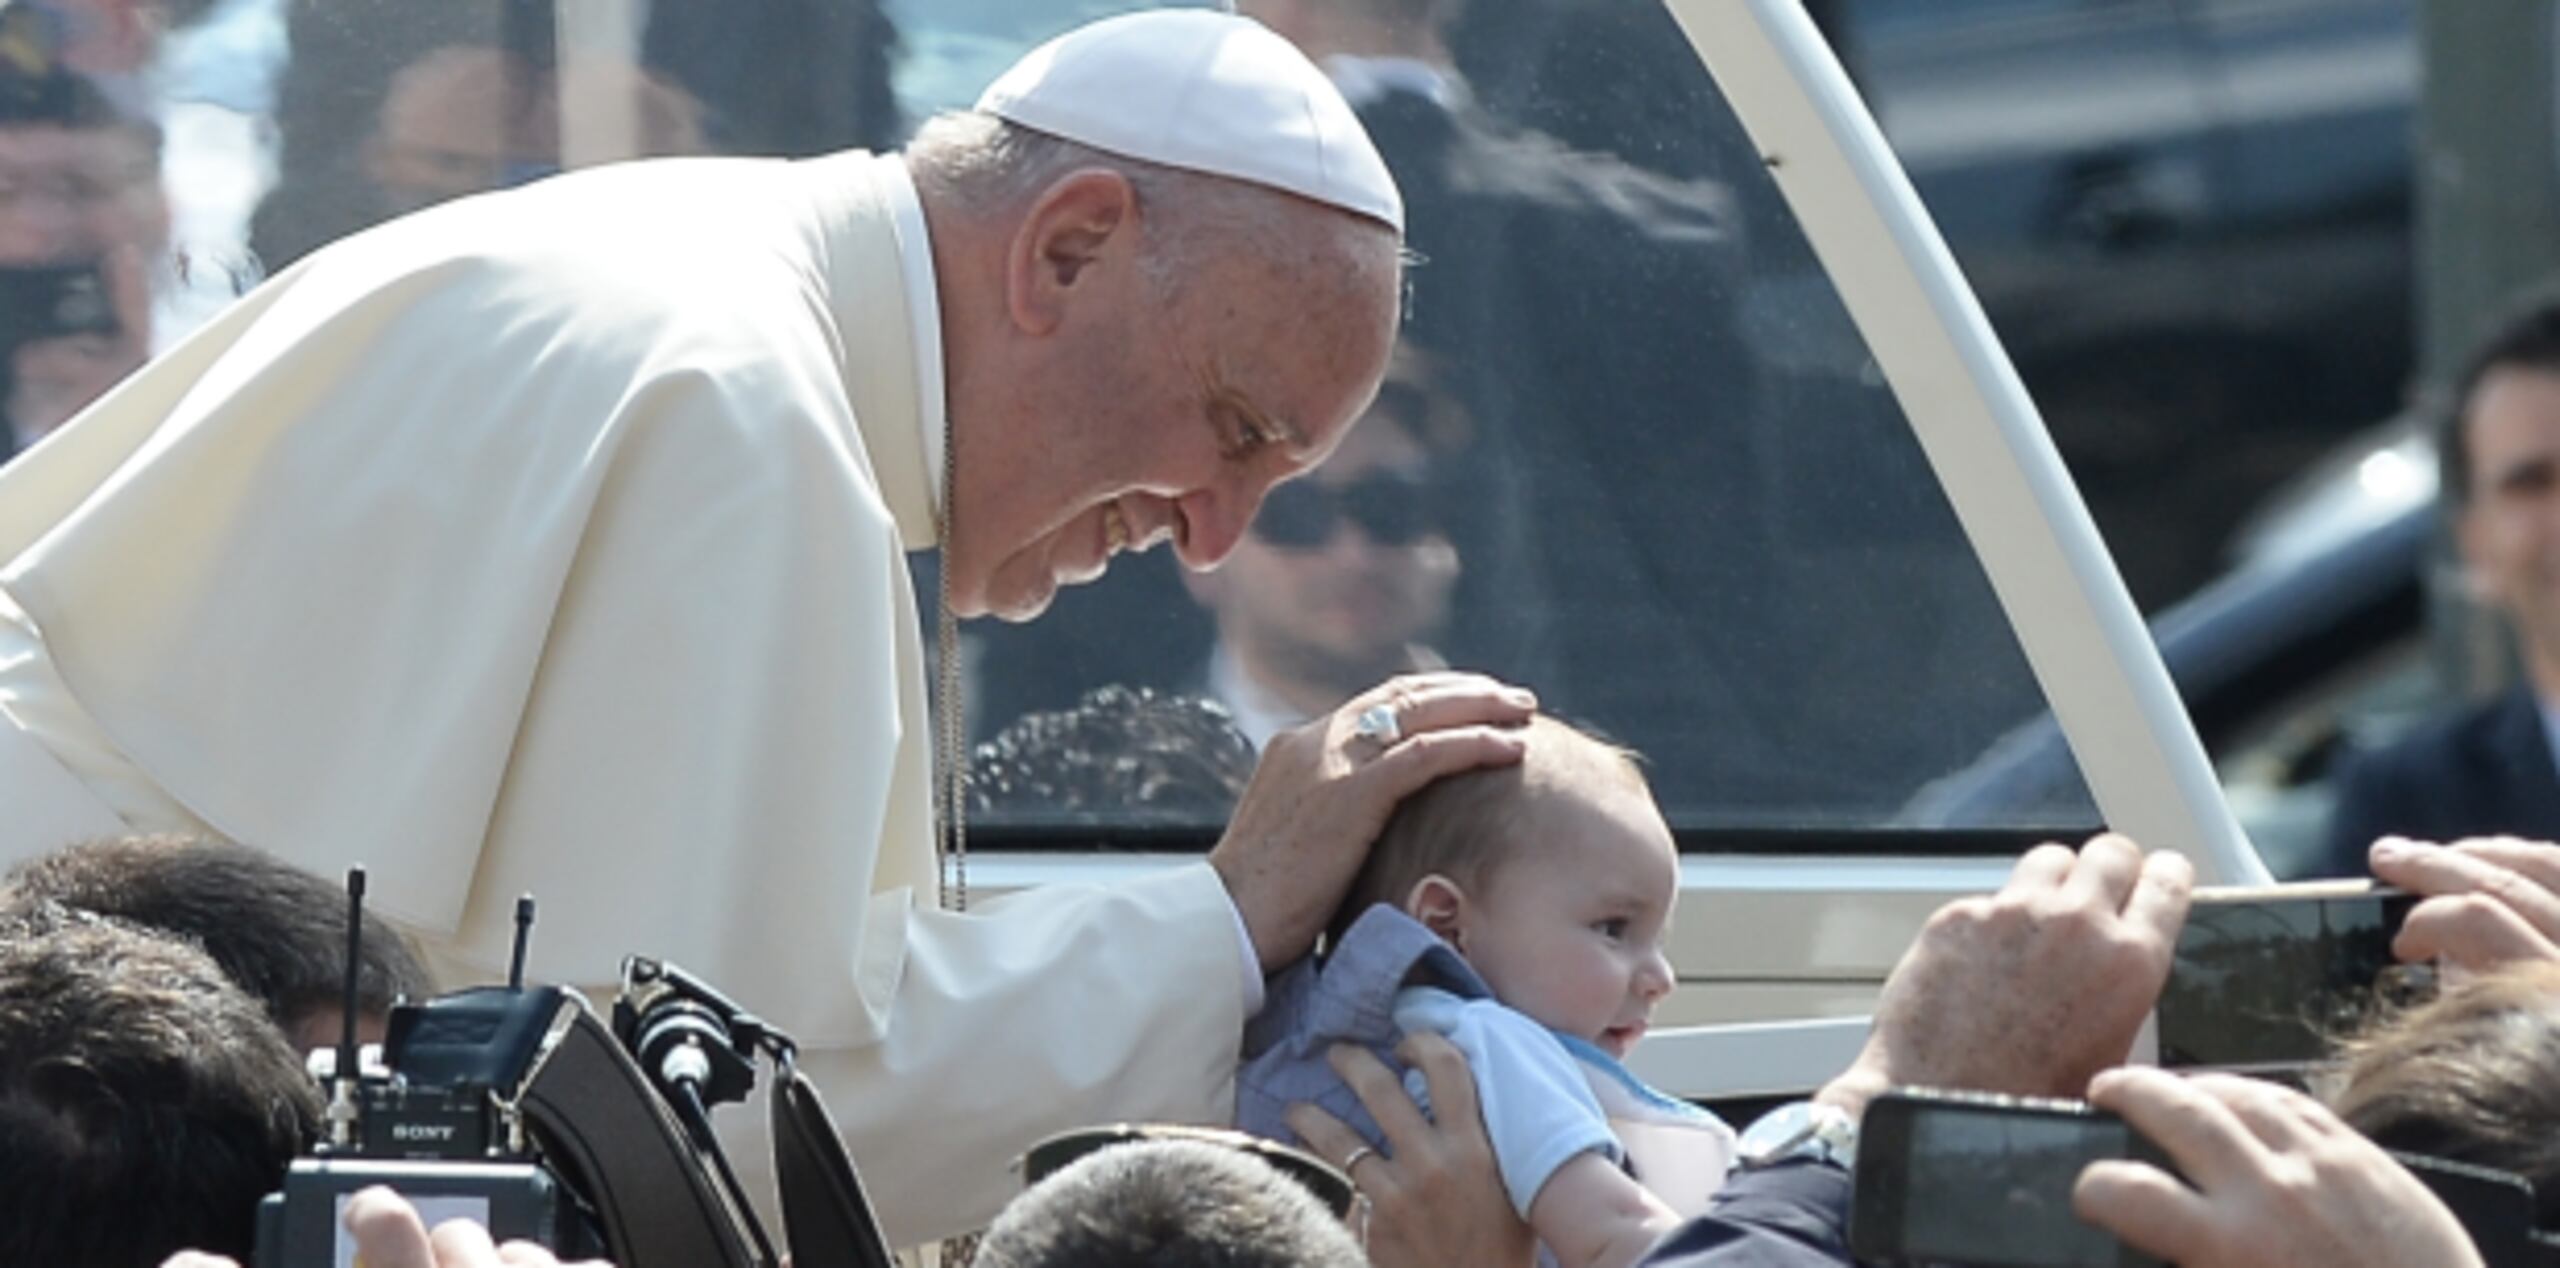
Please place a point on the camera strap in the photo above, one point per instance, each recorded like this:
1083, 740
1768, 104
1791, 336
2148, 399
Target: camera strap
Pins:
824, 1211
610, 1135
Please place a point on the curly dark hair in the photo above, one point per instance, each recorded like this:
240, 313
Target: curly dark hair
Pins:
278, 931
1140, 754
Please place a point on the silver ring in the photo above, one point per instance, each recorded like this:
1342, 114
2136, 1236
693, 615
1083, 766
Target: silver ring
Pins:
1354, 1159
1379, 722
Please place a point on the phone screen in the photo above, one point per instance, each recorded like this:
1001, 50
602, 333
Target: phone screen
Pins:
1995, 1188
2271, 978
433, 1209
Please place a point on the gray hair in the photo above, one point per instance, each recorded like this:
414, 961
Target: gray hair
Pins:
1172, 1204
989, 164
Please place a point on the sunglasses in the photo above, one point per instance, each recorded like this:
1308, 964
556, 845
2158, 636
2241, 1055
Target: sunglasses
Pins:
1390, 510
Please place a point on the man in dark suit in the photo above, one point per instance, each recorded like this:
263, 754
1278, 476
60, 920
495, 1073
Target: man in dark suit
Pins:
2488, 769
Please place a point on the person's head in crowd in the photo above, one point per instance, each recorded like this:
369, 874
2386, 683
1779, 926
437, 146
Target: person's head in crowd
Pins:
1130, 752
83, 222
2499, 452
1360, 28
145, 1103
1172, 1204
1343, 579
2473, 1076
1555, 879
463, 119
78, 176
114, 44
459, 120
279, 931
1140, 351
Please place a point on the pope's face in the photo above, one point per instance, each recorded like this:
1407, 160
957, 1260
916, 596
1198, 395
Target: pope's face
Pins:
2510, 531
1169, 423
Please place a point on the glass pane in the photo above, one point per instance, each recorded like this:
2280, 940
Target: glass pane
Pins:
1661, 478
1633, 453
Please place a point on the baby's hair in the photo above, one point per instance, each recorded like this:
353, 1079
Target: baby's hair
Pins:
1463, 826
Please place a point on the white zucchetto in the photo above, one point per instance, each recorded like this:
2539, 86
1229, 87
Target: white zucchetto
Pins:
1206, 92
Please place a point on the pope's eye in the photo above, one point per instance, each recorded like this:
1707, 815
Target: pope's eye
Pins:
1241, 434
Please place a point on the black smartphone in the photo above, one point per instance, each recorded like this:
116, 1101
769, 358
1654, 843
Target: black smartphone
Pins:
2267, 979
1978, 1179
2496, 1208
48, 301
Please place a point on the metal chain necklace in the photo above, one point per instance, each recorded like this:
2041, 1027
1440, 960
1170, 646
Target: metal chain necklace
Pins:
951, 758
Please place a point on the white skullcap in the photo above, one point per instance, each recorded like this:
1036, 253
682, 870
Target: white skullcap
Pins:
1207, 92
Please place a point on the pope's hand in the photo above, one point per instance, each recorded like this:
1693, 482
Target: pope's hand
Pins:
1323, 792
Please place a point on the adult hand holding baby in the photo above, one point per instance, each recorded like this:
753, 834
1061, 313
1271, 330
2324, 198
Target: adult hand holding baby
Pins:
1323, 791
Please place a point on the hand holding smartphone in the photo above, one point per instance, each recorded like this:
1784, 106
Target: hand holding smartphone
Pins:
1974, 1178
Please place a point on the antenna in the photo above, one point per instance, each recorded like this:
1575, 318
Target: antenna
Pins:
342, 1098
524, 938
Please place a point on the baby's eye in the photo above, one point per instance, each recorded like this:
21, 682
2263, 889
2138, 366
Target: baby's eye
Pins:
1614, 928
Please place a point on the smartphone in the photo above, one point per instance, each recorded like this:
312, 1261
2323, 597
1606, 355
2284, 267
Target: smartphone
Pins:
2496, 1208
2266, 979
48, 301
1978, 1179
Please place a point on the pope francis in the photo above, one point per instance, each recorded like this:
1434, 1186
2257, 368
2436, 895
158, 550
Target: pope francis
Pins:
551, 541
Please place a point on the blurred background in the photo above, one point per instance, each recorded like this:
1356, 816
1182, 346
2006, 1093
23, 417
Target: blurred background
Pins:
1633, 453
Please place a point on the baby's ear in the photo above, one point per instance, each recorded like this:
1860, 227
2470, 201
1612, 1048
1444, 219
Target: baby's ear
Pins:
1441, 906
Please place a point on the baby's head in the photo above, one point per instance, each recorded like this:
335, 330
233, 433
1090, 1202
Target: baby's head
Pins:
1554, 878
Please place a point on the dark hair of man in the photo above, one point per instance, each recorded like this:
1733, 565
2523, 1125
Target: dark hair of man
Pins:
2473, 1077
1462, 826
279, 931
2527, 339
1168, 1204
145, 1103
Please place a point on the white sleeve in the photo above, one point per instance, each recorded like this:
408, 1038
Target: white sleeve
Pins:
1538, 1108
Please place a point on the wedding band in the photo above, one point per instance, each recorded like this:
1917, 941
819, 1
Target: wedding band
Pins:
1379, 722
1353, 1159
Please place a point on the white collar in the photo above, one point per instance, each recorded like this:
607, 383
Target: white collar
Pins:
1259, 713
924, 307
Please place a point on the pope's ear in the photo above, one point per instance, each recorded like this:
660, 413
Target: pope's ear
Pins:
1079, 221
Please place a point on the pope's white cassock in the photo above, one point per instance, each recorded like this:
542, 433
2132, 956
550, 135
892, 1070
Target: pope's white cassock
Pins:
551, 542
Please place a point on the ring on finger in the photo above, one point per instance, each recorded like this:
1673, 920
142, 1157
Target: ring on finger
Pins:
1354, 1159
1379, 722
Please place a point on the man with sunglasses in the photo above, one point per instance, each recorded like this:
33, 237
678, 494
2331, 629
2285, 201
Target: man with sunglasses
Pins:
1343, 578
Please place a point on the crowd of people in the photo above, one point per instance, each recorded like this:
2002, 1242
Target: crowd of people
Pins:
156, 994
468, 550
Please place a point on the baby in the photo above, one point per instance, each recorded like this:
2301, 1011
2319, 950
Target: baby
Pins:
1520, 911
